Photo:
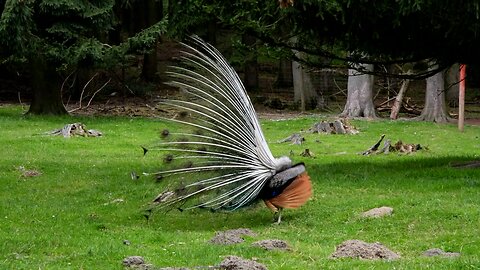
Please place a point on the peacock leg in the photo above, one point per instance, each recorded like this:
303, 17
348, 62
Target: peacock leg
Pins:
277, 216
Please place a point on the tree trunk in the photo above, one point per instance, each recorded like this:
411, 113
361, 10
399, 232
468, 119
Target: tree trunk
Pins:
284, 76
304, 91
451, 82
303, 88
149, 68
150, 10
251, 65
435, 109
47, 95
360, 94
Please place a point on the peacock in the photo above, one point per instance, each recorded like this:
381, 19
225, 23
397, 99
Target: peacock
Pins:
216, 156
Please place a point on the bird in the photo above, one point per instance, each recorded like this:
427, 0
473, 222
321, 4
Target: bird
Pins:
215, 155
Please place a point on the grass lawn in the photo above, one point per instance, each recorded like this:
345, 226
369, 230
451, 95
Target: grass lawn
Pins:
70, 217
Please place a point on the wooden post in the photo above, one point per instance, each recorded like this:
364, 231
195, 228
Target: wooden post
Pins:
461, 98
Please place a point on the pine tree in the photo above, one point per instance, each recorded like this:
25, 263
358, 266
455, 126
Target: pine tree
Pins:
53, 37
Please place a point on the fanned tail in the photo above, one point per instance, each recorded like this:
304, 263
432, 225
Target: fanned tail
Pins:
219, 159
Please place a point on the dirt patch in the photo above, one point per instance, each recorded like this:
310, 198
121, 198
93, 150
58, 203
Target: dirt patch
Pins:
434, 252
177, 268
231, 237
28, 172
363, 250
272, 244
237, 263
378, 212
136, 262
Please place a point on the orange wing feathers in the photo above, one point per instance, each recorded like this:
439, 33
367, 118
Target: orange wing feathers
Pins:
295, 195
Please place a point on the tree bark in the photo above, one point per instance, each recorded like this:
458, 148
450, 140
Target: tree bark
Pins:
47, 95
304, 91
303, 88
284, 76
435, 109
451, 82
360, 94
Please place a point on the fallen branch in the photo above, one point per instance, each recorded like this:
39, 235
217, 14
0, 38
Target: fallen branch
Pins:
385, 103
295, 138
398, 99
92, 97
374, 147
400, 147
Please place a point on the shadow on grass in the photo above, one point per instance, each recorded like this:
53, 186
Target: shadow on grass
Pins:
256, 216
391, 169
417, 174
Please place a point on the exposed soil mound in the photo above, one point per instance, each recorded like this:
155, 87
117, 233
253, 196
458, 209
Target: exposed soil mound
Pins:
29, 173
272, 244
174, 268
433, 252
133, 260
363, 250
231, 236
237, 263
136, 262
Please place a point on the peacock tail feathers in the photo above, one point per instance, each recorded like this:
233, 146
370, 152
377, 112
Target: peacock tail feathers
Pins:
217, 157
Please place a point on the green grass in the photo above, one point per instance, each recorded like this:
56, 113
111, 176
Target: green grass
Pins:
64, 219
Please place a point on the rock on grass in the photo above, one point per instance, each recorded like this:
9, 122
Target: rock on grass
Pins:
364, 250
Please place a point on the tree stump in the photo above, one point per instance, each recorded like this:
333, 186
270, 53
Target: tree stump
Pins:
340, 126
